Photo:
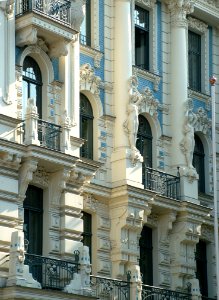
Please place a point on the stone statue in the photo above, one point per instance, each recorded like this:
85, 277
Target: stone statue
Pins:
188, 142
77, 13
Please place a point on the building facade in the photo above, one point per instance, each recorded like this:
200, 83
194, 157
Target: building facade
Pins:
106, 177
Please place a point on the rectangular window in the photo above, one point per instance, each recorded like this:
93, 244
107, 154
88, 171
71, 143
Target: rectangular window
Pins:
85, 34
87, 231
146, 255
141, 38
33, 219
194, 60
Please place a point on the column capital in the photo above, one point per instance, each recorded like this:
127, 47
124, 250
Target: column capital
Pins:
179, 10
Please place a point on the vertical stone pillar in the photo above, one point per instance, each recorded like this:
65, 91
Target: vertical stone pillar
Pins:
123, 170
31, 123
7, 58
18, 272
183, 137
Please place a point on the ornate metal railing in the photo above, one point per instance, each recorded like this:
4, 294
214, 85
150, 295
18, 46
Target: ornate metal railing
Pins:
52, 273
85, 40
49, 135
155, 293
162, 183
108, 288
55, 9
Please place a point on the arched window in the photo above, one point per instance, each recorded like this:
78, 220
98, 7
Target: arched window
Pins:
199, 163
32, 83
144, 140
86, 127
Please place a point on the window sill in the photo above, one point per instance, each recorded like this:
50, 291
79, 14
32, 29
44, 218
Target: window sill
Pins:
147, 75
205, 199
200, 96
95, 54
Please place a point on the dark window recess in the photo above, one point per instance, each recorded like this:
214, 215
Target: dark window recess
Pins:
86, 127
201, 267
32, 82
85, 34
33, 219
194, 60
141, 38
144, 143
199, 163
146, 255
87, 231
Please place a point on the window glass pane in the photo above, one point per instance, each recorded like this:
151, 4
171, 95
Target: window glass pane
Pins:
86, 127
194, 60
86, 25
199, 163
141, 38
32, 84
201, 267
146, 255
33, 219
87, 231
144, 140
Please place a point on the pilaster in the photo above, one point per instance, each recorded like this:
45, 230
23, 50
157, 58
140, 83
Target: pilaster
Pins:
184, 236
127, 220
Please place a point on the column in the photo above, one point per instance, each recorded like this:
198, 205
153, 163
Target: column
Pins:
182, 127
7, 58
123, 171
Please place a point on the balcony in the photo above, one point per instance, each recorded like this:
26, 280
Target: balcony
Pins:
162, 183
44, 23
52, 273
108, 288
151, 292
49, 135
55, 10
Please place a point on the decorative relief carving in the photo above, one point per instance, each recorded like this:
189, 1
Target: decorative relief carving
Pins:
25, 176
207, 233
58, 184
179, 9
41, 177
197, 25
7, 6
88, 80
26, 36
58, 49
97, 59
90, 203
147, 3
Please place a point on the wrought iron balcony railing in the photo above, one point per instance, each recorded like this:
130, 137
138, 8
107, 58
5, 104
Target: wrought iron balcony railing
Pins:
85, 40
58, 10
108, 288
52, 273
161, 183
152, 293
49, 135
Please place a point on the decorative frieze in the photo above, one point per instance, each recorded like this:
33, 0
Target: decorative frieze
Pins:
197, 25
41, 177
